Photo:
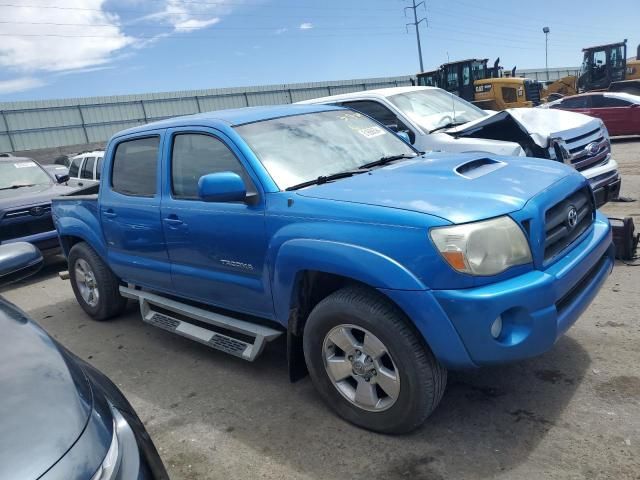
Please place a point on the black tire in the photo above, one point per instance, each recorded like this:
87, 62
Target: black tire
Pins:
110, 303
422, 378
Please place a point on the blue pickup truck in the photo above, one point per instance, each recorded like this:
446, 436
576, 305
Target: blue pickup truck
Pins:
382, 266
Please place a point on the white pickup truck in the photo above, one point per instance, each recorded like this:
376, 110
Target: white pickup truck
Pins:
435, 120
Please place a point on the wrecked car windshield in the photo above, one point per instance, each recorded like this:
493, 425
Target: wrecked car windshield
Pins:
433, 109
20, 173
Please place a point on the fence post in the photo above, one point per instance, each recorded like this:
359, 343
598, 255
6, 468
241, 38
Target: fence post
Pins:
6, 126
198, 104
84, 126
144, 112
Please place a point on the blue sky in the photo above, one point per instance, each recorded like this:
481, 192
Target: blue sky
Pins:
71, 48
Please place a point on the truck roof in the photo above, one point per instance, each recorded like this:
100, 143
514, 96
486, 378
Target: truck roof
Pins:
377, 92
231, 117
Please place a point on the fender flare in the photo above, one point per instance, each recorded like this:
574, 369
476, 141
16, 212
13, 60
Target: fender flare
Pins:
361, 264
74, 227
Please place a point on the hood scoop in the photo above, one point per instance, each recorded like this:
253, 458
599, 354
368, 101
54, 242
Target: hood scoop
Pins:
479, 168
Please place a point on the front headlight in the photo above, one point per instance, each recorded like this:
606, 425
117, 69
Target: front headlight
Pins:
482, 248
604, 130
110, 463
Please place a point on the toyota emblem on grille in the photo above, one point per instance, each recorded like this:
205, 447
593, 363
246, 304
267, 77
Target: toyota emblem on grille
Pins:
592, 148
36, 211
572, 217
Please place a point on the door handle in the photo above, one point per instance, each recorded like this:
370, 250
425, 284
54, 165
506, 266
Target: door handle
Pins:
173, 220
80, 184
109, 213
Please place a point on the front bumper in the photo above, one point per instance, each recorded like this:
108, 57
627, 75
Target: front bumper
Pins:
536, 307
607, 192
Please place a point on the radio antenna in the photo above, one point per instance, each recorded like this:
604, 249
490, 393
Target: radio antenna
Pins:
453, 100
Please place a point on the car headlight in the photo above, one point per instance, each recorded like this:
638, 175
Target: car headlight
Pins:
482, 248
604, 130
110, 463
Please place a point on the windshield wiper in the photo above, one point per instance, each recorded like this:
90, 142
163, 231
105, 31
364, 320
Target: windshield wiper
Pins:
327, 178
448, 125
387, 159
18, 186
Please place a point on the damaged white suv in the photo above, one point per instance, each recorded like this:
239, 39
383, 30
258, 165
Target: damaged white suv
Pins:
436, 120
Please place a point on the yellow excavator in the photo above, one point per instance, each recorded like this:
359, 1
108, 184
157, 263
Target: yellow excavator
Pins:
604, 67
486, 87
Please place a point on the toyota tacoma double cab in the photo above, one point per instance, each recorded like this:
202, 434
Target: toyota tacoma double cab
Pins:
382, 266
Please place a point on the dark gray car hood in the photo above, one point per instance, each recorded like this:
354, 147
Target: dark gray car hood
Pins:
45, 399
36, 195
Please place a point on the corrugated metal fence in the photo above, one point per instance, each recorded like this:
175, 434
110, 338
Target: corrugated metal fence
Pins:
80, 121
56, 123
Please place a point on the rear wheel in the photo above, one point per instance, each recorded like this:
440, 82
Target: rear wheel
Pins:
369, 365
96, 288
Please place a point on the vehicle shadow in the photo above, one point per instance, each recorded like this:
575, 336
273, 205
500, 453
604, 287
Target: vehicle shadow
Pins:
626, 139
489, 421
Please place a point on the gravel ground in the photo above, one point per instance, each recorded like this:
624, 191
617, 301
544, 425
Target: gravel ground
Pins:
571, 413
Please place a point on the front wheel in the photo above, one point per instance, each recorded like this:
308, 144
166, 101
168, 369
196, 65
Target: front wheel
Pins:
96, 288
369, 365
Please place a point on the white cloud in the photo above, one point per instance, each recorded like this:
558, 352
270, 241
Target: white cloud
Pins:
20, 84
187, 17
280, 31
59, 51
306, 26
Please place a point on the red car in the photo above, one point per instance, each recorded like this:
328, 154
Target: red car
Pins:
620, 112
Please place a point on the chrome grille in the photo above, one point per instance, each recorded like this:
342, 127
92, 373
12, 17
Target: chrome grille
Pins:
587, 150
558, 231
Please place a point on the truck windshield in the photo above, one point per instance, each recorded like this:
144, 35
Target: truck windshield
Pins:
22, 173
433, 109
301, 148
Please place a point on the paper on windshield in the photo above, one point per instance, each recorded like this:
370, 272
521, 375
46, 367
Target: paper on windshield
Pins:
24, 164
371, 132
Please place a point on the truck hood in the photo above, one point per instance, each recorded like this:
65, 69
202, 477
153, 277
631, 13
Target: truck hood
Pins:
539, 124
25, 196
456, 187
45, 399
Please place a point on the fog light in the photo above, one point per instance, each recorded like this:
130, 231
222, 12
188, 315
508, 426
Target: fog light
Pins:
496, 327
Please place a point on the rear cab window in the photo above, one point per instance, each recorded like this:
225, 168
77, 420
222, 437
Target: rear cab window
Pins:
87, 168
135, 167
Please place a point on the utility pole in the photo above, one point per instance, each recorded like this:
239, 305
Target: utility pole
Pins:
416, 24
546, 31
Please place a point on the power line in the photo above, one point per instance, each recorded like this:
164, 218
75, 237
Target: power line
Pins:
416, 24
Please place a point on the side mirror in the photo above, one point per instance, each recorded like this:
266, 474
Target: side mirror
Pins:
404, 136
18, 260
62, 178
222, 187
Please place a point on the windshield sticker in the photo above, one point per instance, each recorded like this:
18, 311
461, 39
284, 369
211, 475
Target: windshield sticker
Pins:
371, 132
24, 164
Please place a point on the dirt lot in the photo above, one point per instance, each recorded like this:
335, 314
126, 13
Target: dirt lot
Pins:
572, 413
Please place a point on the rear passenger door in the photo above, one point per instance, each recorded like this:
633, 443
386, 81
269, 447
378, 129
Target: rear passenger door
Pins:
217, 249
74, 172
614, 112
130, 212
87, 172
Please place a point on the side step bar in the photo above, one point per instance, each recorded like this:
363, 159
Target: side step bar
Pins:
210, 337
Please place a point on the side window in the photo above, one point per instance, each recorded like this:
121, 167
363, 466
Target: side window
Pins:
74, 168
195, 155
135, 166
576, 102
87, 168
375, 110
509, 94
452, 79
601, 101
99, 168
466, 77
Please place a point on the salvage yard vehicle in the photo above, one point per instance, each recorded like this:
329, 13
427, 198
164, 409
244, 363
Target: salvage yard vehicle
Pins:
485, 87
436, 120
60, 418
620, 112
382, 266
26, 190
85, 169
